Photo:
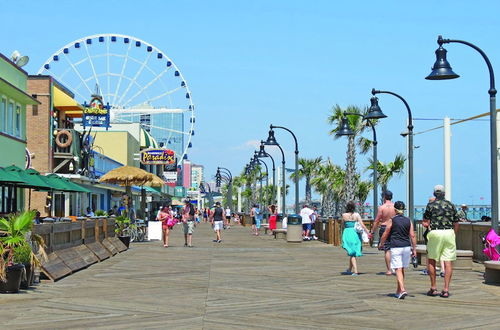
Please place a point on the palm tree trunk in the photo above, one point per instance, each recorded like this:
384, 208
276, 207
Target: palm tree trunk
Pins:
350, 180
308, 190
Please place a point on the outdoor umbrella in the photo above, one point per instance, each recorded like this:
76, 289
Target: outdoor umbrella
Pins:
6, 177
29, 181
127, 176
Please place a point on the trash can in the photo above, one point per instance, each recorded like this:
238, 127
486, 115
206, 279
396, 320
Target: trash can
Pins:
294, 229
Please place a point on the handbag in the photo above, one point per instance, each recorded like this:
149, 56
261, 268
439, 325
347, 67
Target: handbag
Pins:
359, 229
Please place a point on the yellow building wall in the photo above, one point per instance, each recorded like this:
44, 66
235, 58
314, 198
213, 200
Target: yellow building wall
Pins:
120, 146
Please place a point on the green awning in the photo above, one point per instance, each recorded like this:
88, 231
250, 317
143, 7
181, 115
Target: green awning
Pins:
28, 180
152, 190
63, 184
8, 177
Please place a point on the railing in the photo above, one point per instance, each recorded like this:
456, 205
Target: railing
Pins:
469, 235
62, 235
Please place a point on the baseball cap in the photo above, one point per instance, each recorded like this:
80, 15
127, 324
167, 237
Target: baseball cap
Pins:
218, 203
439, 188
399, 205
463, 205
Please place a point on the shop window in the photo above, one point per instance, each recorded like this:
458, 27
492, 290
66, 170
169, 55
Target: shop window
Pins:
10, 118
3, 114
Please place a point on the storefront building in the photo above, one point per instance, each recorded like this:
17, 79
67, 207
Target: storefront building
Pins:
13, 103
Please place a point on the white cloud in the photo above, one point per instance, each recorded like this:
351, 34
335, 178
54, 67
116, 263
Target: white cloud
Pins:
250, 144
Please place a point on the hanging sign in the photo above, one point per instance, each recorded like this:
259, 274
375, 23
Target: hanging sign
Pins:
97, 114
157, 157
170, 177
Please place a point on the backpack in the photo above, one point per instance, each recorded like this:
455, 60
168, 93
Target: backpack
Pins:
191, 210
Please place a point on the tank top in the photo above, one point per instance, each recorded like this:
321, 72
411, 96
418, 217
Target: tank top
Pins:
400, 232
218, 214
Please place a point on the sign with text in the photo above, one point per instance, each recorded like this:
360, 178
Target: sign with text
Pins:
97, 114
170, 177
157, 157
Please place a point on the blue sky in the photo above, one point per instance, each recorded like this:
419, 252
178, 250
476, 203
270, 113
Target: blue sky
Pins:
252, 63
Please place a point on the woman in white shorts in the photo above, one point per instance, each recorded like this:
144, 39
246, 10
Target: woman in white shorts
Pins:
399, 233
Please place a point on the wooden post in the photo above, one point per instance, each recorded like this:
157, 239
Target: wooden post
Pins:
105, 227
96, 231
331, 233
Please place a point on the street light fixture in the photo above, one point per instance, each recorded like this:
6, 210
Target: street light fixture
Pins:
442, 70
263, 154
411, 208
230, 185
347, 132
270, 141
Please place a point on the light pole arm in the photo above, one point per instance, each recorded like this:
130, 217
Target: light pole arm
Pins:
228, 172
410, 117
492, 90
294, 137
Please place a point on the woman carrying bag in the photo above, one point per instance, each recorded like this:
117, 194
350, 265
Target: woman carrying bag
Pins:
351, 239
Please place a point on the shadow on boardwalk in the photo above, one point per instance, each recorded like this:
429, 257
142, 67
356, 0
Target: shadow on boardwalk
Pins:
246, 282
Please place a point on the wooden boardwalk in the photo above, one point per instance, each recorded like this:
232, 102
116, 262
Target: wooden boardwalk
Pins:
242, 283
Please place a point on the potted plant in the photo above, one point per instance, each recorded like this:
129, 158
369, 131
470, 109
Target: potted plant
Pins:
123, 226
100, 213
23, 254
15, 230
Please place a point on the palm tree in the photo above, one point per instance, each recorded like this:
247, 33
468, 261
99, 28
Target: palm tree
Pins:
357, 126
387, 171
307, 169
329, 182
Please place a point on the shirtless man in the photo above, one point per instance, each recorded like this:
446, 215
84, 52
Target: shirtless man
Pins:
385, 213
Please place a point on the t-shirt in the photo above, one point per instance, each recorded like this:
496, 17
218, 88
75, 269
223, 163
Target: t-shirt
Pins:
400, 232
228, 212
305, 213
441, 213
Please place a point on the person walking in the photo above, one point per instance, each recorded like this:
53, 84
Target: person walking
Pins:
314, 216
217, 221
228, 217
188, 223
385, 213
256, 218
166, 217
442, 219
400, 234
306, 214
273, 216
351, 240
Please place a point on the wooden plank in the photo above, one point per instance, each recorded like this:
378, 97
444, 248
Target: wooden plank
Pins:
55, 268
110, 247
88, 256
117, 243
99, 250
71, 258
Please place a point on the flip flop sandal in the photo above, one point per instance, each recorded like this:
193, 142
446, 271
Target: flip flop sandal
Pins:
433, 293
444, 294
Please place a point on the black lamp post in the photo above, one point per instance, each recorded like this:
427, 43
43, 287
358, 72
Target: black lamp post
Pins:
296, 162
263, 154
203, 189
230, 185
259, 161
411, 208
271, 141
442, 70
346, 130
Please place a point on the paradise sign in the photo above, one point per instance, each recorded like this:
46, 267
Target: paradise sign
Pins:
157, 157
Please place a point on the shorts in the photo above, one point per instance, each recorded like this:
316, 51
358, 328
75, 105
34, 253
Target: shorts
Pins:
387, 243
400, 257
218, 225
228, 217
188, 227
306, 226
253, 221
257, 223
441, 245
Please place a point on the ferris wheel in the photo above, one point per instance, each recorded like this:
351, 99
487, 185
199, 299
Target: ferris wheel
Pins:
140, 83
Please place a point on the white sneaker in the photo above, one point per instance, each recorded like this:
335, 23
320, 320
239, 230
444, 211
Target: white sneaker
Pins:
315, 238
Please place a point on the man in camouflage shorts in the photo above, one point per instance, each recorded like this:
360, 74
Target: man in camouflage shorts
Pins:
442, 219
